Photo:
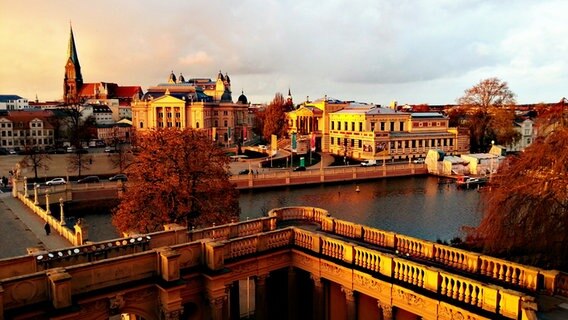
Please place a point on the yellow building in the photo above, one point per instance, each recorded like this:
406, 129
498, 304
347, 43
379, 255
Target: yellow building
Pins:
366, 131
197, 103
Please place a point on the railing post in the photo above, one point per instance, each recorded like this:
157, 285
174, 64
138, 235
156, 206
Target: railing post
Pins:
47, 210
26, 187
36, 188
61, 213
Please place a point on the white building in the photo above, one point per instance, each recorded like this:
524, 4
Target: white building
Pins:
527, 133
13, 102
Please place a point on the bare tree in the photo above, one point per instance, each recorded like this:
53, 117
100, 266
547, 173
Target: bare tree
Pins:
79, 161
489, 113
35, 159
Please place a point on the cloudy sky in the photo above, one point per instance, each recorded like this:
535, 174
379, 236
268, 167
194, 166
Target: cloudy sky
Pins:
411, 51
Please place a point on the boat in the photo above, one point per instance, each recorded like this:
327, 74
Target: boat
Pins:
470, 182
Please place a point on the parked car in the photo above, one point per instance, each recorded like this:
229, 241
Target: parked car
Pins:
300, 169
89, 179
419, 160
246, 171
369, 163
118, 177
55, 182
12, 151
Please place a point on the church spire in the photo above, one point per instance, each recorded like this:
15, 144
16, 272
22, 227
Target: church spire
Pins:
73, 78
72, 54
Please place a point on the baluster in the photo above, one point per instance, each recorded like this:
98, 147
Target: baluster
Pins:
467, 293
515, 276
396, 270
455, 289
413, 275
450, 286
443, 289
474, 296
508, 274
460, 292
502, 272
483, 268
420, 278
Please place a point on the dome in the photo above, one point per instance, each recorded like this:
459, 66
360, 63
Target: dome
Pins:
172, 78
181, 79
226, 97
220, 76
242, 98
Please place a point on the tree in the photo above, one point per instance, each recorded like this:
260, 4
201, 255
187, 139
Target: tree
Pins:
526, 214
275, 118
79, 161
489, 104
178, 176
35, 159
121, 157
78, 129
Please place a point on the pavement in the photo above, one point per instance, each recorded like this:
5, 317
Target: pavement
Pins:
21, 229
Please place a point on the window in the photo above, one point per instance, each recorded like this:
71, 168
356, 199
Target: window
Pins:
346, 126
338, 125
141, 125
332, 126
331, 141
225, 113
197, 125
352, 126
338, 141
352, 143
392, 126
226, 123
216, 123
360, 126
372, 126
360, 144
401, 126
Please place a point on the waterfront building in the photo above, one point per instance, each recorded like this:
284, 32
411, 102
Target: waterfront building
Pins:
526, 132
20, 130
197, 103
368, 131
12, 102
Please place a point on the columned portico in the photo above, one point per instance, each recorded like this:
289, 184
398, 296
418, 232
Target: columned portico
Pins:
350, 302
261, 311
385, 309
318, 300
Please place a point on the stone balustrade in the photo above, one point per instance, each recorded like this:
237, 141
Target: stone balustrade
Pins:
516, 274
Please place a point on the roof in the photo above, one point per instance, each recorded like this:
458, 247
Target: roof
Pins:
427, 115
9, 97
128, 91
100, 108
358, 108
28, 115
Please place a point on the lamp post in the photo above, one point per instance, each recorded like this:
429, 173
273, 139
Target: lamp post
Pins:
36, 187
47, 202
61, 214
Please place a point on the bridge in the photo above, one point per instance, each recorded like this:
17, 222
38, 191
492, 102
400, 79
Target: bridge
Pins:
296, 263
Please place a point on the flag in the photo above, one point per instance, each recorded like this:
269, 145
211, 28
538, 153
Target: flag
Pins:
313, 142
294, 142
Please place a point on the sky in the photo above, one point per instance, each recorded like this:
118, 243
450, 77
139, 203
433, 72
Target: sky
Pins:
375, 51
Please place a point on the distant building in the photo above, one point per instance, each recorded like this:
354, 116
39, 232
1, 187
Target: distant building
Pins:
367, 131
20, 130
110, 133
75, 91
527, 133
13, 102
197, 103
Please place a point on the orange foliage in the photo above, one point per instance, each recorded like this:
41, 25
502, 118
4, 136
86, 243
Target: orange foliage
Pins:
179, 176
526, 216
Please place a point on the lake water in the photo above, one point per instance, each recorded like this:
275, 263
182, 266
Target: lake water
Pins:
415, 206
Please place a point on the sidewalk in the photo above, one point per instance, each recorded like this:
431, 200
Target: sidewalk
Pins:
21, 229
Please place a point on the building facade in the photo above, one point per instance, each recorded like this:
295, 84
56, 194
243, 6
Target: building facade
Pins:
197, 103
13, 102
367, 131
21, 130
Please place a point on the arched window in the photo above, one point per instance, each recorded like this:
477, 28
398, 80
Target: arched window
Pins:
197, 125
141, 124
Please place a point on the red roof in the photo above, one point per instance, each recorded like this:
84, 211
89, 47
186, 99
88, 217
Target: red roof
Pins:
27, 116
128, 91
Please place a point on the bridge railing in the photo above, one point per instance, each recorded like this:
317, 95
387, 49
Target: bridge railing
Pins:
453, 287
500, 270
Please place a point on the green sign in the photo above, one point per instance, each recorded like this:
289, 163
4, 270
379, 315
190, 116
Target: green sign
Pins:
302, 162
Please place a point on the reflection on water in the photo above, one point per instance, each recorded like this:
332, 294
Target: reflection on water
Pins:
415, 206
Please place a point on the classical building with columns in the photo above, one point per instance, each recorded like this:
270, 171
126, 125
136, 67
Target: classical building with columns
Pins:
197, 103
368, 131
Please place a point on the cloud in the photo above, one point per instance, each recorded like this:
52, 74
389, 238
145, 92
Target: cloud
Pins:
197, 58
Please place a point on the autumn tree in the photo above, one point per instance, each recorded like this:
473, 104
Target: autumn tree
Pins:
35, 159
489, 108
178, 176
79, 161
526, 214
275, 118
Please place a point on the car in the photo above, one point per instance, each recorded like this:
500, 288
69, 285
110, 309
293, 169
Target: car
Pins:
300, 168
419, 160
55, 182
118, 177
12, 151
109, 150
89, 179
246, 171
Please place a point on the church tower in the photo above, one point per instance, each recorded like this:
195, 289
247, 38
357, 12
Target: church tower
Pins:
73, 78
